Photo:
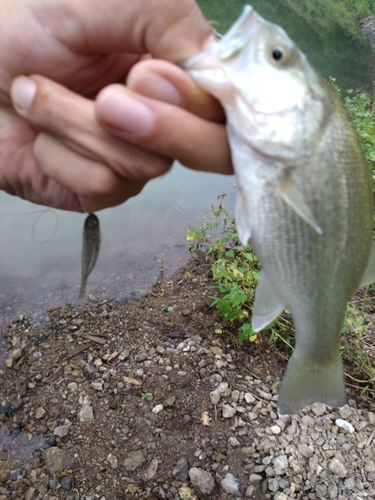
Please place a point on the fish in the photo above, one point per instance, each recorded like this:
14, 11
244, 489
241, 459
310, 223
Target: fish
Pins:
90, 249
304, 195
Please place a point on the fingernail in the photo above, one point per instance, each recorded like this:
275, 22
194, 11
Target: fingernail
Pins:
124, 114
22, 92
153, 85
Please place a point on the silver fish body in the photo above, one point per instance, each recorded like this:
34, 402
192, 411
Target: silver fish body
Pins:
305, 197
90, 249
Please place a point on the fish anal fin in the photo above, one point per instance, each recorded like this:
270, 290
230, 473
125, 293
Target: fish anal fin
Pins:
369, 276
293, 197
242, 223
267, 305
306, 383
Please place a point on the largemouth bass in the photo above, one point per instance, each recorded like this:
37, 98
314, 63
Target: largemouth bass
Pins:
90, 249
305, 197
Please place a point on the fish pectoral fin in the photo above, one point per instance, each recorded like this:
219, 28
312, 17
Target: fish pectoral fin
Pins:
307, 382
293, 197
267, 305
369, 276
242, 223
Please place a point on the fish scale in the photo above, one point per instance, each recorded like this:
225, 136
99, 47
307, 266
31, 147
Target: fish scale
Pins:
305, 195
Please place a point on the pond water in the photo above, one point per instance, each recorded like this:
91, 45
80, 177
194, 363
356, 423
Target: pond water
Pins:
147, 232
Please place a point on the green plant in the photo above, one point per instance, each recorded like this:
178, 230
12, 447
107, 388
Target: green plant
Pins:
145, 395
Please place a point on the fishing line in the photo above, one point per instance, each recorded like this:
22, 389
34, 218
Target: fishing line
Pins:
41, 213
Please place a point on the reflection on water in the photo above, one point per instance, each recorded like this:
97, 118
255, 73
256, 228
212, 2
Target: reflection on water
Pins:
136, 237
331, 51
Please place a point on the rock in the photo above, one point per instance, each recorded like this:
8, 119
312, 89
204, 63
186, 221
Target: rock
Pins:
73, 387
343, 424
337, 468
230, 485
250, 492
134, 460
249, 398
280, 496
168, 403
86, 413
233, 442
157, 409
181, 469
228, 411
273, 484
319, 409
280, 465
202, 480
152, 469
275, 429
223, 389
57, 459
255, 478
215, 397
185, 493
112, 460
368, 28
98, 386
40, 412
305, 450
29, 495
62, 430
14, 474
66, 482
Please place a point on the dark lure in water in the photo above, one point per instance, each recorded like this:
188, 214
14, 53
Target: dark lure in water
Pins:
90, 249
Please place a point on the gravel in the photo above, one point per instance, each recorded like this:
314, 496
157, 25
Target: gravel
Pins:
112, 401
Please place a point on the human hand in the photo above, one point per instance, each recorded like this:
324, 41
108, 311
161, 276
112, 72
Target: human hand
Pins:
54, 152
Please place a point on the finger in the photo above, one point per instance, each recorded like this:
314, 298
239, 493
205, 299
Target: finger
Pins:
167, 29
164, 129
71, 118
167, 82
96, 185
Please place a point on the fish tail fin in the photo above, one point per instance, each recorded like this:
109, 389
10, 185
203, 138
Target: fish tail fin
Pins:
306, 383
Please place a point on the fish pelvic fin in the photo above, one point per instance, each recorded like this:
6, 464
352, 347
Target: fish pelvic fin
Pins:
242, 223
267, 305
293, 197
369, 276
306, 383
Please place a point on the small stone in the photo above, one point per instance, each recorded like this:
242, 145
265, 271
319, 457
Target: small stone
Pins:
223, 388
371, 418
280, 464
134, 460
66, 482
255, 478
62, 430
14, 474
319, 409
321, 490
29, 494
280, 496
305, 450
73, 386
185, 493
40, 412
124, 355
228, 411
233, 442
337, 468
249, 398
343, 424
181, 469
216, 350
168, 403
152, 469
275, 429
215, 397
202, 480
273, 484
56, 459
250, 492
86, 414
157, 409
112, 460
98, 386
230, 485
349, 483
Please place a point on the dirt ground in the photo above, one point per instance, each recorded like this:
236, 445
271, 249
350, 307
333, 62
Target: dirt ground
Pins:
122, 392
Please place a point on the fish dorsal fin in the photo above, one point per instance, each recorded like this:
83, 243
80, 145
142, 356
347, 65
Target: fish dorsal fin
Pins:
267, 305
369, 276
242, 223
295, 199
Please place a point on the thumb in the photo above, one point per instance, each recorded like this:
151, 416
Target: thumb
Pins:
167, 29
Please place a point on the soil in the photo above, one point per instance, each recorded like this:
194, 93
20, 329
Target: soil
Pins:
99, 373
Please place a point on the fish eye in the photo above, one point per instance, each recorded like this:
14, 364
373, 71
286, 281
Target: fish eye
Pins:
281, 55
